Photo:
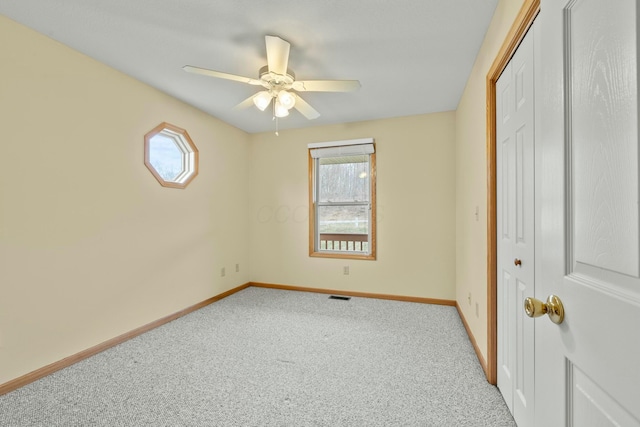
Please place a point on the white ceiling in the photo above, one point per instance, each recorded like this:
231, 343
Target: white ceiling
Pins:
411, 56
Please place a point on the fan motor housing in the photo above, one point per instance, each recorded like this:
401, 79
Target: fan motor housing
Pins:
277, 81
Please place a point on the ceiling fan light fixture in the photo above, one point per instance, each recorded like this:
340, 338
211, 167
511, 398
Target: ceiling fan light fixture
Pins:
286, 99
280, 83
280, 110
262, 100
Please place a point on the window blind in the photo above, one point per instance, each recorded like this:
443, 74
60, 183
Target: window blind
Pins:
342, 150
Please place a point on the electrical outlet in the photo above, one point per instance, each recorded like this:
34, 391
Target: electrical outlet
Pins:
237, 268
469, 298
345, 270
222, 272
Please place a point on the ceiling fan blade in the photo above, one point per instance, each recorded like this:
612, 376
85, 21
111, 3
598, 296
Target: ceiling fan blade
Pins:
245, 104
277, 54
326, 85
305, 109
221, 75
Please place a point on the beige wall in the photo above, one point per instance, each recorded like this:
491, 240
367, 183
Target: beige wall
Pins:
416, 209
91, 246
471, 178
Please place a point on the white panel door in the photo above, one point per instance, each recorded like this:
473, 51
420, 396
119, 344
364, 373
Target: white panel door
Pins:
515, 228
587, 229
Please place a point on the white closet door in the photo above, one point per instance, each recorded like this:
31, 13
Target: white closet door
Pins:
515, 138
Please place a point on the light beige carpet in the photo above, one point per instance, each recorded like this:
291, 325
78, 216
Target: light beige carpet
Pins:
266, 357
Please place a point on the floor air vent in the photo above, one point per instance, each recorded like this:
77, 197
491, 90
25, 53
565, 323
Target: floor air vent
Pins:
341, 298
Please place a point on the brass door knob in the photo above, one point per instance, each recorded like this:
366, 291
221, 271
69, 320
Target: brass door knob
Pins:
553, 307
517, 262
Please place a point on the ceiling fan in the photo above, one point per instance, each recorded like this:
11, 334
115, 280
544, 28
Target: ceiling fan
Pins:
280, 83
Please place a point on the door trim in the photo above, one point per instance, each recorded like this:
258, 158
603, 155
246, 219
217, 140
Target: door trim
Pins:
521, 24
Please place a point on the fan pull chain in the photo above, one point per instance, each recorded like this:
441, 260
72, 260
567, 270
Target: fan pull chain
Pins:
275, 118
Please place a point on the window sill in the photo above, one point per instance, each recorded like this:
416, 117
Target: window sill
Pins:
342, 255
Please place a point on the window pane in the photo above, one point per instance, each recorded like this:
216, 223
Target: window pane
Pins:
343, 203
166, 157
343, 219
344, 179
343, 228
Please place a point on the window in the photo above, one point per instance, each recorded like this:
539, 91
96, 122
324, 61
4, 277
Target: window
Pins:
171, 155
342, 183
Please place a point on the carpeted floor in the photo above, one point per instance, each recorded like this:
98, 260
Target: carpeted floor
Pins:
264, 357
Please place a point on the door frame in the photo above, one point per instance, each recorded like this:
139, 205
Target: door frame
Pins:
521, 25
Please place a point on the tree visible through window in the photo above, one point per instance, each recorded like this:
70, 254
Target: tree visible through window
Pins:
343, 202
165, 156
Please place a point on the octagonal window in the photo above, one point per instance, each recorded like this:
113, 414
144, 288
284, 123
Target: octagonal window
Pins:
171, 155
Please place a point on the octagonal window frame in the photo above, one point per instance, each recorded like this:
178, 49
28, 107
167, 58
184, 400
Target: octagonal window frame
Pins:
184, 143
